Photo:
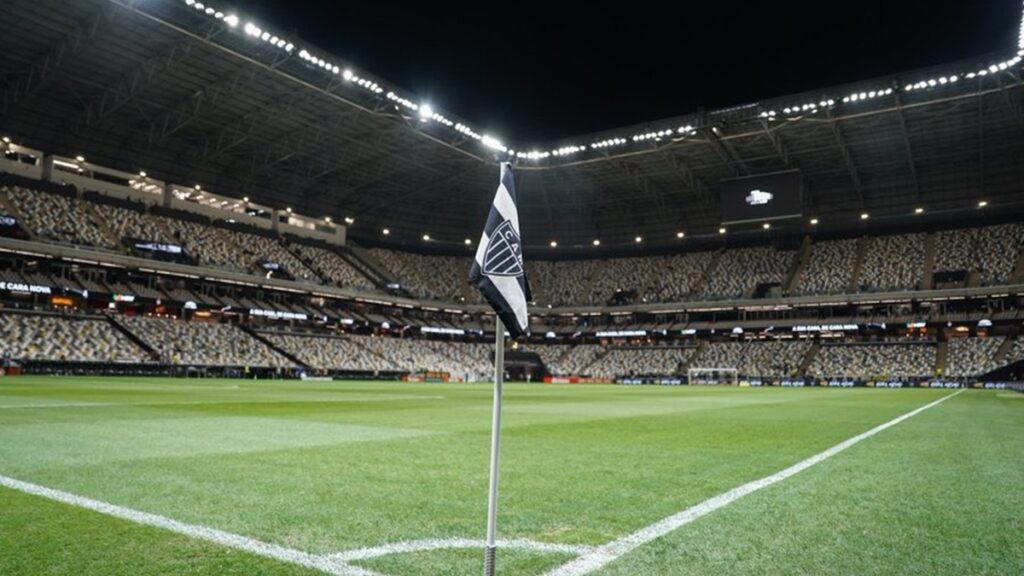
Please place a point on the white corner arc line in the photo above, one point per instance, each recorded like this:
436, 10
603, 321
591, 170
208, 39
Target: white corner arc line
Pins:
409, 546
326, 564
606, 553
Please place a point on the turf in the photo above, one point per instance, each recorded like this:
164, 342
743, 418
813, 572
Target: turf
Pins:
328, 467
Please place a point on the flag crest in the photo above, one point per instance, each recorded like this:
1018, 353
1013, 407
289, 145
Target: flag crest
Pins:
498, 270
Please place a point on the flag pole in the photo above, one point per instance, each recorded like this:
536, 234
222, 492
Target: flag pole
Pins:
492, 496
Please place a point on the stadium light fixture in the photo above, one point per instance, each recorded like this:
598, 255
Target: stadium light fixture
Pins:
766, 225
288, 209
245, 199
231, 20
467, 241
863, 215
350, 220
919, 210
639, 239
425, 112
142, 173
597, 242
814, 221
721, 230
79, 158
7, 139
982, 203
385, 231
426, 237
327, 219
554, 244
680, 234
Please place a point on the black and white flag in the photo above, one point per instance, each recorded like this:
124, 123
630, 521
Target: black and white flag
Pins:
498, 270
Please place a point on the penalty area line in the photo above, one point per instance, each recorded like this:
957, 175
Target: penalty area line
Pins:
606, 553
323, 563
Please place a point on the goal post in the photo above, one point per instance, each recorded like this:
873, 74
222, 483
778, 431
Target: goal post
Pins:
712, 376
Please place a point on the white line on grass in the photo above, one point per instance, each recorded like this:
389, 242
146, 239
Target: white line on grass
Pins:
606, 553
327, 564
450, 543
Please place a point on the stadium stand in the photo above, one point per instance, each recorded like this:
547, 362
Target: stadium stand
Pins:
972, 356
330, 352
741, 270
992, 251
893, 263
869, 361
65, 338
56, 217
754, 357
622, 361
333, 267
202, 343
830, 267
433, 277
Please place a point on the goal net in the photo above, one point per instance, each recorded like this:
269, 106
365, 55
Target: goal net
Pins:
712, 376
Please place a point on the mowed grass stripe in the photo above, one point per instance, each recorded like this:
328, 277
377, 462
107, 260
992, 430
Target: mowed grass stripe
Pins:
941, 494
596, 559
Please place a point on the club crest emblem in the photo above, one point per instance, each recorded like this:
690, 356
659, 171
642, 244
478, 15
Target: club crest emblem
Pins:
504, 254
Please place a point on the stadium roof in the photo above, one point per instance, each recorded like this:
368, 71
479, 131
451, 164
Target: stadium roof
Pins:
190, 93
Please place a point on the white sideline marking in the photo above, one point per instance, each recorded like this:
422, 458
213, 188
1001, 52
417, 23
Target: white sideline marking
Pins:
448, 543
326, 564
602, 555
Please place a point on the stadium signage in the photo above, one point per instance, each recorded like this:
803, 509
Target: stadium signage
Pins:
277, 314
437, 330
29, 288
8, 220
826, 328
621, 333
129, 298
159, 247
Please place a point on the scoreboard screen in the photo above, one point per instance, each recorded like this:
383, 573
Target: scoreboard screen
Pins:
762, 198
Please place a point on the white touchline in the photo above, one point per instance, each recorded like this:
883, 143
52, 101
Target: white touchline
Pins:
602, 555
322, 563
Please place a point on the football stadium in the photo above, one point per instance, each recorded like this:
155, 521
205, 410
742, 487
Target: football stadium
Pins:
264, 310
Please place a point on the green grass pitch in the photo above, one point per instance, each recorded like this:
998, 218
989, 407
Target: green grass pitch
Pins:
328, 467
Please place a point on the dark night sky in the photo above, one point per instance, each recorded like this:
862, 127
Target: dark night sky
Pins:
538, 72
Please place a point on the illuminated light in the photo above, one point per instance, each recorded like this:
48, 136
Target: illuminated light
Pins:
426, 237
597, 242
288, 209
554, 244
918, 210
142, 173
467, 241
493, 143
327, 219
80, 158
347, 75
350, 220
983, 203
198, 187
864, 216
721, 230
638, 239
385, 231
7, 139
814, 221
680, 234
426, 112
231, 20
766, 225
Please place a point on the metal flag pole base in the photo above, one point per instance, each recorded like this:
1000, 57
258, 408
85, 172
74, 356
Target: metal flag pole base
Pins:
489, 561
492, 495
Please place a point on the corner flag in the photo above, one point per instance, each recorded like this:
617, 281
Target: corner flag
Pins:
498, 270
